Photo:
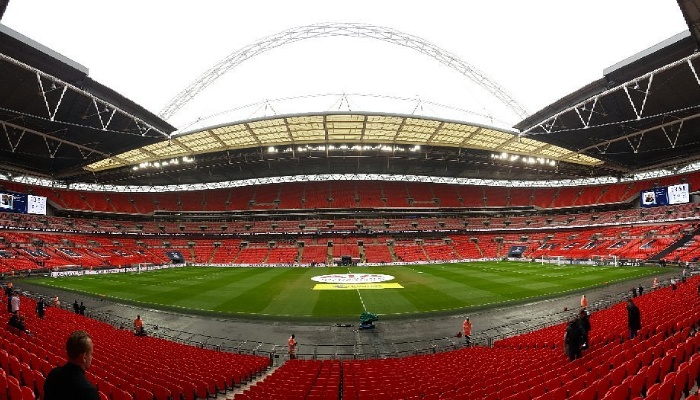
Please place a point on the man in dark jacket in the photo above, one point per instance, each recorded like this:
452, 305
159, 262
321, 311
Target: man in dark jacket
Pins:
634, 318
40, 307
69, 382
572, 339
585, 326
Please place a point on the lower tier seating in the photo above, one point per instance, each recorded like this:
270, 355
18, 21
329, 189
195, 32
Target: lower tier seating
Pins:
125, 366
661, 363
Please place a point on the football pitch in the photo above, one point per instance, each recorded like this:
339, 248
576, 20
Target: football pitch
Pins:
290, 293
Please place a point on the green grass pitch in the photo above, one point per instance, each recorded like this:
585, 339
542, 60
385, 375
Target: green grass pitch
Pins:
286, 293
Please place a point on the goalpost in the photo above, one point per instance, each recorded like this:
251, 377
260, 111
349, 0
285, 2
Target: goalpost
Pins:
608, 260
558, 260
143, 267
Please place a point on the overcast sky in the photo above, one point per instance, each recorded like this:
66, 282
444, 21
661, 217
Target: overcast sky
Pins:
539, 51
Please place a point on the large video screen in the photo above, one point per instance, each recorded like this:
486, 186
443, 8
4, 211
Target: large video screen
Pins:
22, 203
36, 204
665, 195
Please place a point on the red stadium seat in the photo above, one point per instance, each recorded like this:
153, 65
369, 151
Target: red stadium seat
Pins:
27, 393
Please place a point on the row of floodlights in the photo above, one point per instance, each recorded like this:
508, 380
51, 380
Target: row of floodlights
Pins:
344, 147
163, 163
523, 159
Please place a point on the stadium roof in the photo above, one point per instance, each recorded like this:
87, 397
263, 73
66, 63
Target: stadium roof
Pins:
54, 118
641, 115
352, 130
60, 124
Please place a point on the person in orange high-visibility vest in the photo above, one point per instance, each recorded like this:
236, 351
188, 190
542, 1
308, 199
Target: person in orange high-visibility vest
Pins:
292, 347
467, 327
584, 301
138, 327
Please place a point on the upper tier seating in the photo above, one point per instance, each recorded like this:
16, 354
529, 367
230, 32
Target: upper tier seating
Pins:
370, 194
395, 194
291, 196
343, 194
348, 194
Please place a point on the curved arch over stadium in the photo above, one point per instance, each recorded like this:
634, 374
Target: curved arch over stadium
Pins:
385, 34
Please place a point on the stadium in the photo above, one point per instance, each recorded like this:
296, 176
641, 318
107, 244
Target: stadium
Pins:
228, 233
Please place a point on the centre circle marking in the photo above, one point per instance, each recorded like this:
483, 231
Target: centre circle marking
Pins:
352, 278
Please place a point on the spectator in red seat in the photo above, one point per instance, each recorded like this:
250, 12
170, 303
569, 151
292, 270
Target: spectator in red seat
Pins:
17, 321
14, 303
40, 308
68, 382
21, 324
14, 319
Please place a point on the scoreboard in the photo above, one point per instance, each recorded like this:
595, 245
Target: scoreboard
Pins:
665, 195
22, 203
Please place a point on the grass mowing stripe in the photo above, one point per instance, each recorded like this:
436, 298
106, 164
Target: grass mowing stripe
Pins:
422, 285
255, 293
287, 292
293, 296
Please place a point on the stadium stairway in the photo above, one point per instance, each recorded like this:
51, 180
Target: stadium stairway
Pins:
662, 363
680, 242
246, 385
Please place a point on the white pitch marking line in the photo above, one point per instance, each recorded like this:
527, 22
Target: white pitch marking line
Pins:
359, 294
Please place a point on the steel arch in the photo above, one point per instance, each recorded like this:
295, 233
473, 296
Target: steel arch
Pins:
341, 29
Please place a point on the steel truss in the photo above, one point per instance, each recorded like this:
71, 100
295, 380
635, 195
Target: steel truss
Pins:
348, 30
99, 187
590, 113
340, 177
52, 91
